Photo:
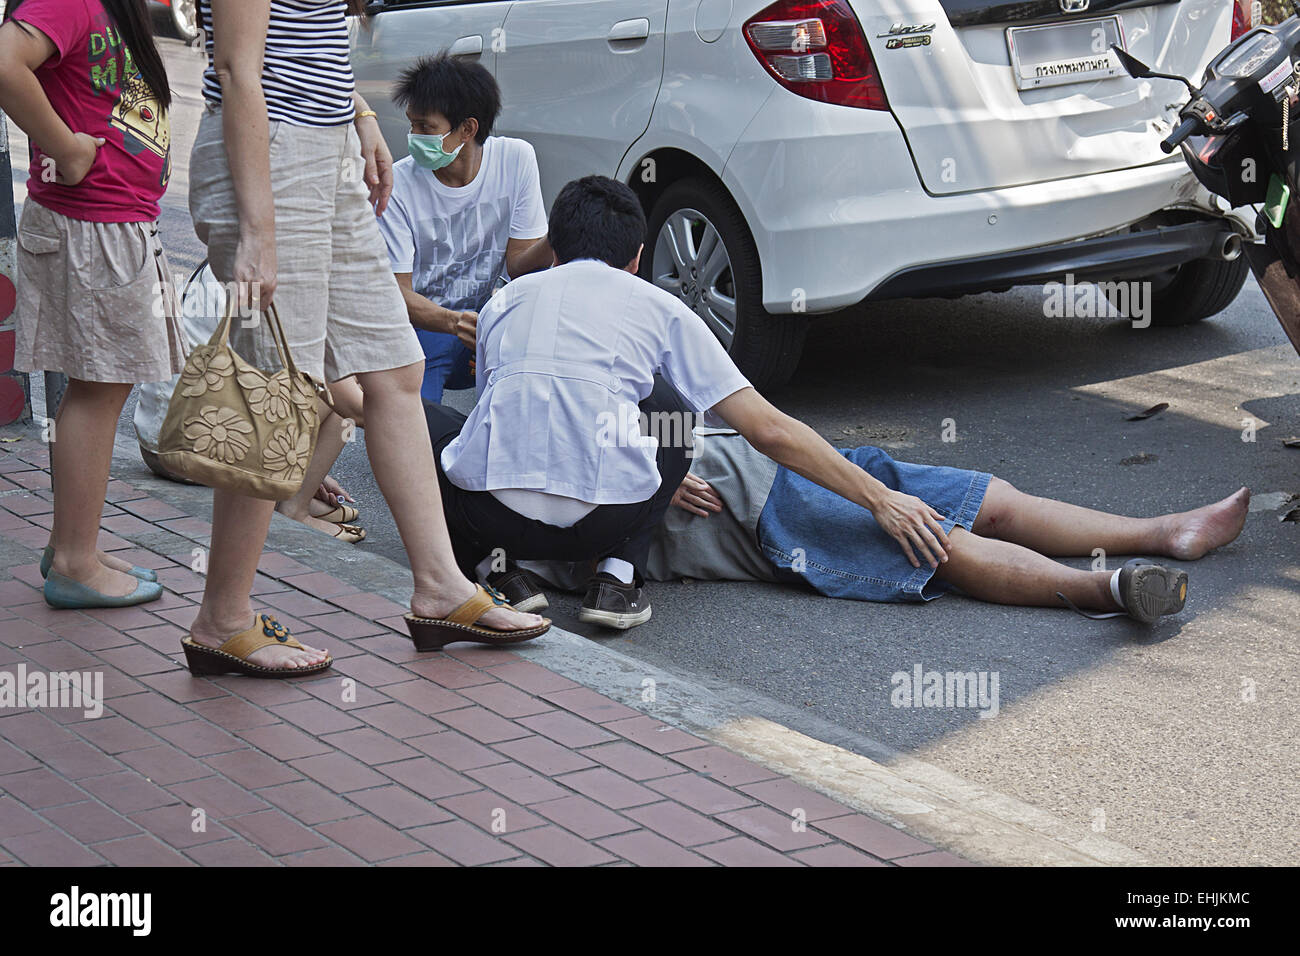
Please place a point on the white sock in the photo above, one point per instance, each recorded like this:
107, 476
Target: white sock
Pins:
1114, 589
619, 568
484, 568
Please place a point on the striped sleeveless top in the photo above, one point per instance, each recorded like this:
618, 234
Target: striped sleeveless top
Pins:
306, 75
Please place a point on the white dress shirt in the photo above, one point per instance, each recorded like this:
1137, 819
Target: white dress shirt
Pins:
564, 357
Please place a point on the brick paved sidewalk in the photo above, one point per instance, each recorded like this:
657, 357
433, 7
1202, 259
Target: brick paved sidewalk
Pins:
471, 756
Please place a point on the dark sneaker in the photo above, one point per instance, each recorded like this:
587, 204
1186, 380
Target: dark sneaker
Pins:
520, 589
611, 603
1150, 591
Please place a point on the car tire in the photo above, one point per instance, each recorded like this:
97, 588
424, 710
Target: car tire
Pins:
686, 218
179, 19
1196, 290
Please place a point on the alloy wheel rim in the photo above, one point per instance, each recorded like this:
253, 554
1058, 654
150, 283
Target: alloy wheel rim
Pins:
691, 261
185, 14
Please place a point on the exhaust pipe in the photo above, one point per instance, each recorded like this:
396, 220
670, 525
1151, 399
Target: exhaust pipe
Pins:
1228, 246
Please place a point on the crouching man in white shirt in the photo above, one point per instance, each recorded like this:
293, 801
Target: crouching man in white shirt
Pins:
550, 463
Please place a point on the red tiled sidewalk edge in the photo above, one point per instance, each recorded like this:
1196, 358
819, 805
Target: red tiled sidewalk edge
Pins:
472, 756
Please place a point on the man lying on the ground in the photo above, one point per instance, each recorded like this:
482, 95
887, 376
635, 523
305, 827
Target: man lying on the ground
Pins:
466, 207
534, 474
742, 517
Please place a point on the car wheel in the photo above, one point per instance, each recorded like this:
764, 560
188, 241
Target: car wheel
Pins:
701, 251
1196, 290
184, 19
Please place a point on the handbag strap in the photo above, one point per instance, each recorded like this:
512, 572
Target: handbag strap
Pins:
281, 343
221, 336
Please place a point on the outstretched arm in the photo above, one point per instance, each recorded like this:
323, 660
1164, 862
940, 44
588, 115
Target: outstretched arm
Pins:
788, 441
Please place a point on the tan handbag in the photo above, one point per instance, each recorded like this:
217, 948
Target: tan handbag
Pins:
232, 426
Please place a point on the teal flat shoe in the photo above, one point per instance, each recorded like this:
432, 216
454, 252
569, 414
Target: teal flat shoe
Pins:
67, 594
47, 560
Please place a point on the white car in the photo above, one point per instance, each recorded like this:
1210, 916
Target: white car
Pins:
802, 156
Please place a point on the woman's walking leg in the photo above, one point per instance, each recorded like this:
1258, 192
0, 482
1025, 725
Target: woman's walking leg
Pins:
401, 457
239, 526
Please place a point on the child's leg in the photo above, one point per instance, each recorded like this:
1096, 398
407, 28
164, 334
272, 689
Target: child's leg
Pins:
1054, 527
81, 452
1005, 573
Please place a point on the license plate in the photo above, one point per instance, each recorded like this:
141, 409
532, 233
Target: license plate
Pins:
1058, 53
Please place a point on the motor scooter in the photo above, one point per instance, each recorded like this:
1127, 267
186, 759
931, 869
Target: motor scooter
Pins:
1240, 135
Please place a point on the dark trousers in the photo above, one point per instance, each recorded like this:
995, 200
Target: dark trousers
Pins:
479, 524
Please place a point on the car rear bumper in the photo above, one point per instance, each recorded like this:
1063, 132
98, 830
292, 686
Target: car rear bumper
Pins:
1126, 255
836, 210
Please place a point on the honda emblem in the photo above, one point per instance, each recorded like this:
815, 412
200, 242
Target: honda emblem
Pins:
1074, 6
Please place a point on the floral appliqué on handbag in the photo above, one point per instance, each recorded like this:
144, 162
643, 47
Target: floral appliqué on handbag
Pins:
230, 425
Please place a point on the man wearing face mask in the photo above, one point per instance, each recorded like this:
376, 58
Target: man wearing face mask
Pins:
466, 207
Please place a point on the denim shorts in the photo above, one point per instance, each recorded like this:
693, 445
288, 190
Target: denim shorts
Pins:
814, 536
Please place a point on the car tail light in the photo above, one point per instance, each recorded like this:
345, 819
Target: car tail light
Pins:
1246, 15
816, 48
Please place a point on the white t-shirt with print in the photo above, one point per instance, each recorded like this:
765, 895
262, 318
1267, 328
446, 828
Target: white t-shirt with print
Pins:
452, 239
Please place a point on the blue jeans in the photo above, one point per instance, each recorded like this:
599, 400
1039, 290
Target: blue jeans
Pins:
446, 364
814, 536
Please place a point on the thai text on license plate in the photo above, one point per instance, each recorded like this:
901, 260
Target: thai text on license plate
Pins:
1058, 53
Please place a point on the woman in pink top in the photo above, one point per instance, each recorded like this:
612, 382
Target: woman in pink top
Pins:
83, 79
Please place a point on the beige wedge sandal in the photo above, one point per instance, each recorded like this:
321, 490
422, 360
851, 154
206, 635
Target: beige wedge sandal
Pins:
433, 634
234, 653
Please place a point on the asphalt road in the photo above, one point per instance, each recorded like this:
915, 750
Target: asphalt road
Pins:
1180, 741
